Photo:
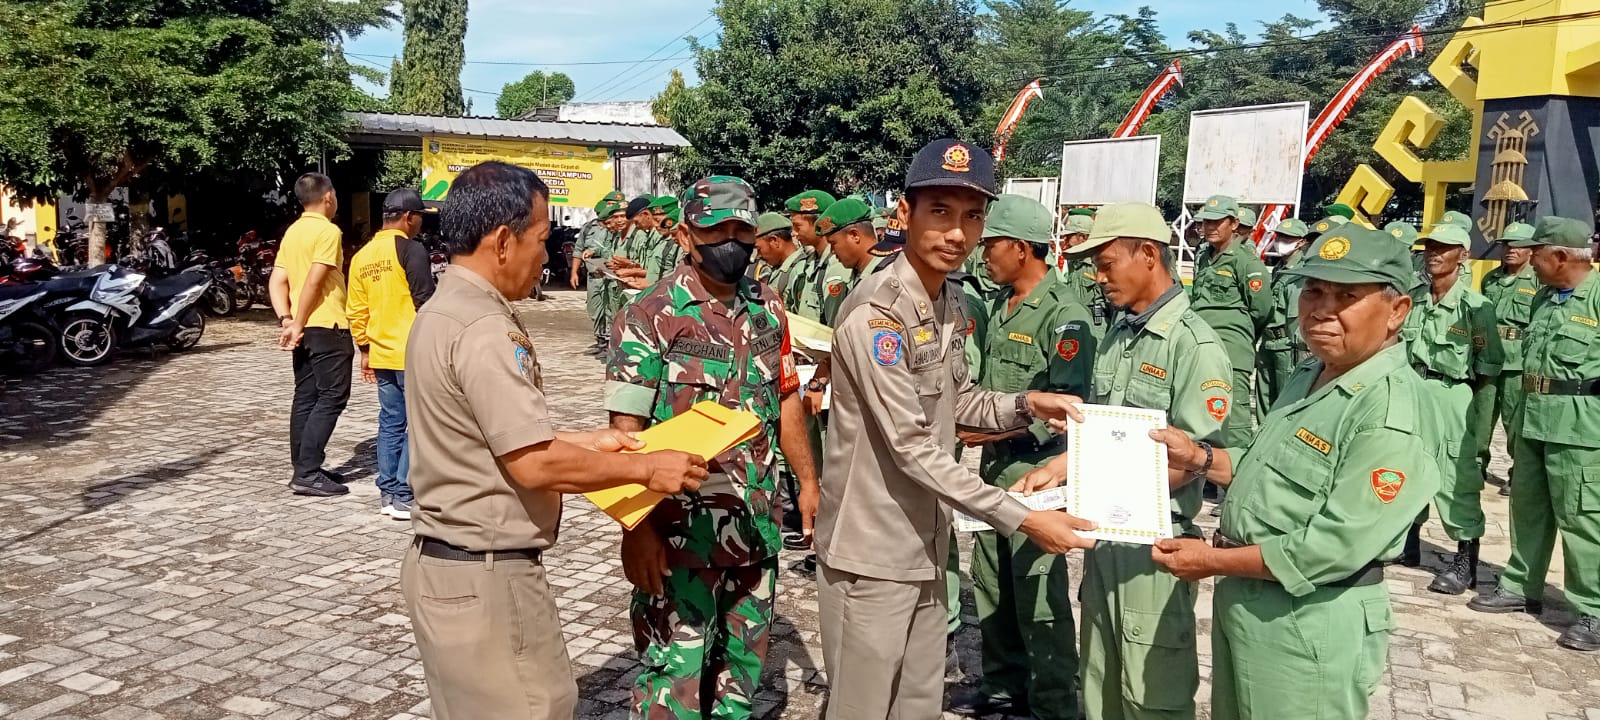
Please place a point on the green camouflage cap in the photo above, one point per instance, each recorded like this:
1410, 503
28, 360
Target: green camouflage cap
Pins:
1339, 210
1018, 218
1123, 220
1448, 235
1079, 225
1558, 231
771, 222
1218, 207
1247, 217
1293, 228
810, 202
717, 199
1402, 232
1459, 220
843, 214
1516, 231
1353, 255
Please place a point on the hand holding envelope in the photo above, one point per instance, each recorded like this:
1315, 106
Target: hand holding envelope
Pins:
706, 431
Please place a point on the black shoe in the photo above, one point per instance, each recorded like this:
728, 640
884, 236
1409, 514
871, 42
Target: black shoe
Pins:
795, 541
317, 485
975, 702
1583, 635
1462, 574
1500, 601
1505, 490
1411, 556
336, 477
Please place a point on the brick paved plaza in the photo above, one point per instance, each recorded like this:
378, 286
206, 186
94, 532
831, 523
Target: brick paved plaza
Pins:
153, 565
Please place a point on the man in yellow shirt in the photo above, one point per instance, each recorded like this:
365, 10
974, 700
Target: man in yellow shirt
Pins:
389, 279
307, 290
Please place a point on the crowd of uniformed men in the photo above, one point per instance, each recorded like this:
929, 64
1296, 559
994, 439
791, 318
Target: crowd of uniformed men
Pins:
1333, 399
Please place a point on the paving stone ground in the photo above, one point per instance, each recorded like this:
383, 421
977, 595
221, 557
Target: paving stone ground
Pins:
153, 565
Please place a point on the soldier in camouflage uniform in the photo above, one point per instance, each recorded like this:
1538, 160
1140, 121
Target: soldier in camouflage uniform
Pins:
705, 563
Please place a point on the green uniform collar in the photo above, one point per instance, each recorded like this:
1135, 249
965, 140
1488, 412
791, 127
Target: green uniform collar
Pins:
1451, 299
795, 258
1364, 375
1162, 314
1035, 297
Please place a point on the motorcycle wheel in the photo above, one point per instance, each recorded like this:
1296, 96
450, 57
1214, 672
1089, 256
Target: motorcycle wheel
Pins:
218, 301
87, 339
191, 326
34, 346
243, 296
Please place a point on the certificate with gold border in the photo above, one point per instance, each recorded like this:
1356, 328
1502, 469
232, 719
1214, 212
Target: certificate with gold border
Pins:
1117, 475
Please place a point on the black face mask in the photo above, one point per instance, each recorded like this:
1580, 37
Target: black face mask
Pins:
725, 261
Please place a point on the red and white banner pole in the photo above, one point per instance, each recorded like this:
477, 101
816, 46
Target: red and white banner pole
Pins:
1008, 121
1164, 83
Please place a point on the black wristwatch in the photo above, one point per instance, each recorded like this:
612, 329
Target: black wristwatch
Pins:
1022, 404
1205, 467
816, 386
285, 318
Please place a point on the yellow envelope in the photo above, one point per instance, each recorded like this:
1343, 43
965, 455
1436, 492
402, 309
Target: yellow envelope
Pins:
707, 430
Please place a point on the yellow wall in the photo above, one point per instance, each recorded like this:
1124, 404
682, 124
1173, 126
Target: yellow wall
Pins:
1561, 58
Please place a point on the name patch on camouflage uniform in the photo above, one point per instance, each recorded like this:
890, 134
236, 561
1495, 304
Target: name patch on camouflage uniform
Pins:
701, 349
1019, 337
1153, 371
1316, 443
883, 324
1386, 484
766, 342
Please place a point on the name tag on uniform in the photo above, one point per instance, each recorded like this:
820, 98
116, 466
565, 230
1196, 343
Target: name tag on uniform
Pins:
1457, 331
1225, 272
1316, 443
1019, 337
1591, 322
1153, 371
1527, 291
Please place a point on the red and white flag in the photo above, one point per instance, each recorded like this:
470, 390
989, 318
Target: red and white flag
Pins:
1164, 83
1008, 121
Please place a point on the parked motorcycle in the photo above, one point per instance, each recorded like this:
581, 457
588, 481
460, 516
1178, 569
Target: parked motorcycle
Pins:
256, 257
27, 337
127, 309
221, 299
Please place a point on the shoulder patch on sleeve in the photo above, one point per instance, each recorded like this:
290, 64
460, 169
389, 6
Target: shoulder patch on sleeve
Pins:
1386, 484
886, 348
1207, 385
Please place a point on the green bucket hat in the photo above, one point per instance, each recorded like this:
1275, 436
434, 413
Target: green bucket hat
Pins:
1247, 217
843, 214
1019, 218
1218, 207
1448, 235
810, 202
1079, 225
1402, 232
1353, 255
1292, 228
717, 199
1558, 231
1516, 231
771, 222
1123, 220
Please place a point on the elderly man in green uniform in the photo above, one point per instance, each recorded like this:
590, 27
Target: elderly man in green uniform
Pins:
1137, 643
1510, 288
1038, 338
705, 563
1301, 617
663, 258
1231, 295
1557, 484
1282, 348
1463, 221
1247, 229
1453, 344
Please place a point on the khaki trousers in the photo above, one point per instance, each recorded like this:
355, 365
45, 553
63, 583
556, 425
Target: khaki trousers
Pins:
883, 645
489, 638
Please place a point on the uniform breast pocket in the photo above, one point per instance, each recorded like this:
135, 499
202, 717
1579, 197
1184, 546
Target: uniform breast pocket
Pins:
1573, 345
1018, 359
1148, 392
693, 377
1296, 489
930, 383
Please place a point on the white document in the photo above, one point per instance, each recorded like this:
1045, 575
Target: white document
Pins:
1117, 475
1052, 499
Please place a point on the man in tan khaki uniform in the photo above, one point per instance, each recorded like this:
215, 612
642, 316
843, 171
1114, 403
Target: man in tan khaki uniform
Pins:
488, 468
901, 387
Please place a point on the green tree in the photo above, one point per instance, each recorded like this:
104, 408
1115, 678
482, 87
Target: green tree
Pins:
535, 90
99, 93
429, 80
828, 93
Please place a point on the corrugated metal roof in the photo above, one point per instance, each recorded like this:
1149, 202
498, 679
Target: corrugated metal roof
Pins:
582, 133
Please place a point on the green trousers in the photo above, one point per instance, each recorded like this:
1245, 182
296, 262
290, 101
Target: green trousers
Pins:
1458, 500
1555, 487
1279, 657
1024, 609
1137, 642
1273, 368
702, 642
602, 301
1499, 400
1240, 425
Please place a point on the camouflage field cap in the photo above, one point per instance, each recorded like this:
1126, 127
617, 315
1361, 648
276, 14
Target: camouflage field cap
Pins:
1019, 218
770, 222
1124, 220
717, 199
1354, 255
1292, 228
1558, 231
1078, 225
810, 202
1516, 231
1402, 232
1247, 217
1448, 235
843, 214
1218, 207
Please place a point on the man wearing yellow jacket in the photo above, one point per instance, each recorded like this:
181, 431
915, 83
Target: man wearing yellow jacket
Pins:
389, 279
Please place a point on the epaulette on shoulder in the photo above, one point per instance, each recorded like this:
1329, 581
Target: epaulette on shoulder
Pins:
1401, 416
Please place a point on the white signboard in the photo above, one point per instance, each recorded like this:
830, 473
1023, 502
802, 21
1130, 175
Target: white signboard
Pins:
100, 212
1254, 154
1042, 189
1113, 170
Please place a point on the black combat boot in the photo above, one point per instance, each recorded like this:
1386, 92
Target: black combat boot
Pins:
1583, 635
1411, 556
1462, 574
1500, 601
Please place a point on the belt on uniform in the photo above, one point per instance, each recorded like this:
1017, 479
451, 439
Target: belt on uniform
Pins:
1431, 374
1510, 332
445, 551
1277, 333
1369, 574
1541, 385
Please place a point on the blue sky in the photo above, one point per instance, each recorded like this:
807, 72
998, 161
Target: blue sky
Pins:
517, 31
